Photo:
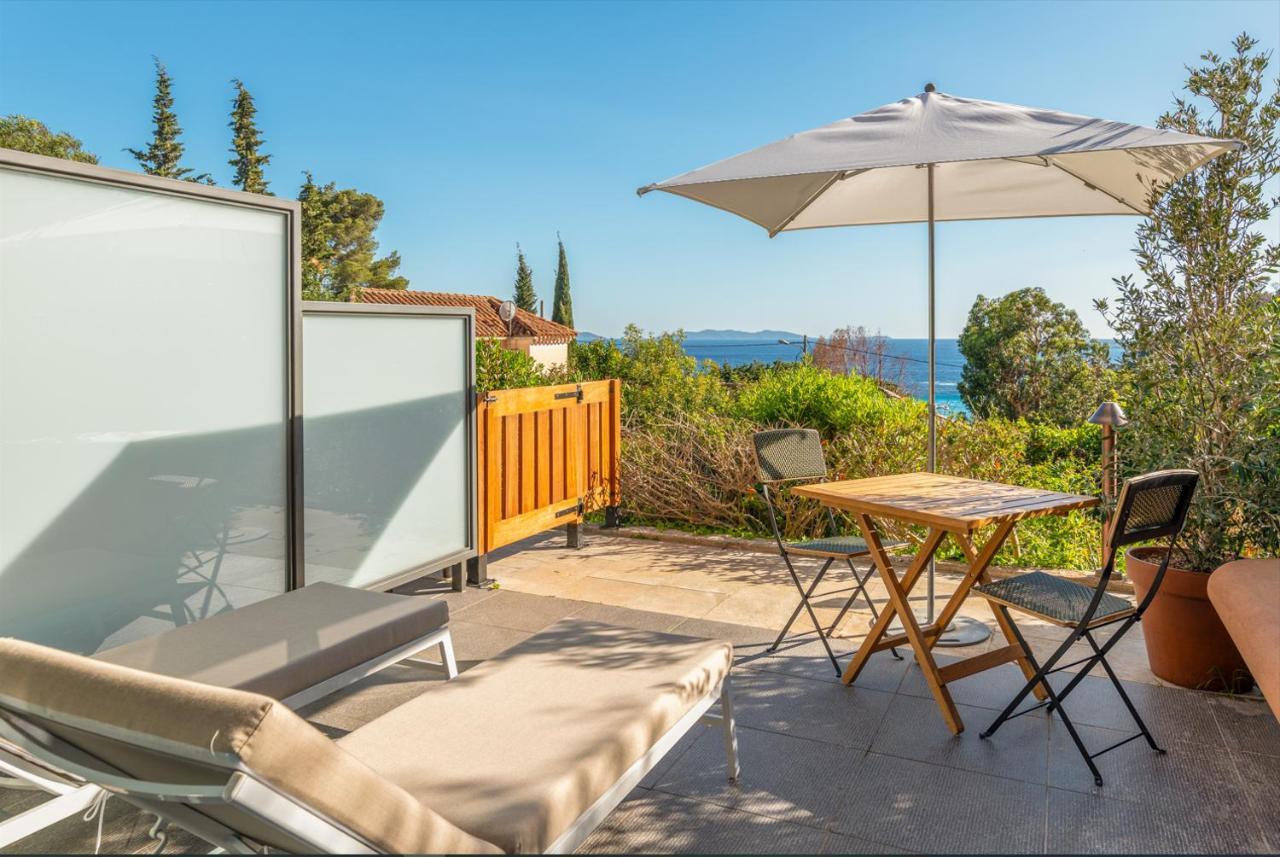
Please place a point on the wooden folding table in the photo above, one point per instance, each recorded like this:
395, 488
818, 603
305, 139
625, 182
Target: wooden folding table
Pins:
948, 506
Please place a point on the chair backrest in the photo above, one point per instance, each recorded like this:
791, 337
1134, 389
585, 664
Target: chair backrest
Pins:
233, 767
1152, 506
784, 455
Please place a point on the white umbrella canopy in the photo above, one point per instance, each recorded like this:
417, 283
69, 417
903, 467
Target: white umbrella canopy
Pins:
939, 157
990, 160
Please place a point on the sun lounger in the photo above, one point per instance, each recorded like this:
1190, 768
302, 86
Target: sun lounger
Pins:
527, 752
296, 647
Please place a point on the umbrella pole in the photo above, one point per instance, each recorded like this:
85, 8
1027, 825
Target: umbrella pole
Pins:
963, 631
933, 405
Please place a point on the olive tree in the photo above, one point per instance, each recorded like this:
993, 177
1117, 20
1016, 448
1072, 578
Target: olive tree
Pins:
1201, 326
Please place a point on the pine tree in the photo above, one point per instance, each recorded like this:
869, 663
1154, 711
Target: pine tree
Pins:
246, 143
562, 301
163, 156
339, 251
524, 296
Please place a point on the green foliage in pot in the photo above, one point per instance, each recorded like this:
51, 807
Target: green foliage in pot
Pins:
1200, 327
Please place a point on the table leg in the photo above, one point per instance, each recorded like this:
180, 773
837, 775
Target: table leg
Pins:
979, 561
880, 559
900, 604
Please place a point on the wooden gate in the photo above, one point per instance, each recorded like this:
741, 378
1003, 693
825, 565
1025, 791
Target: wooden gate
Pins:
546, 457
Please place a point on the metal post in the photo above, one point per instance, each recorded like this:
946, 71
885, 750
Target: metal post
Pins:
933, 405
1108, 482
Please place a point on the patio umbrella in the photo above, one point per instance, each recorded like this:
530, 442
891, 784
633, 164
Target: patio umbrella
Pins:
938, 157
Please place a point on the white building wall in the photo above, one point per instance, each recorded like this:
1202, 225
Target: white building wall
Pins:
550, 356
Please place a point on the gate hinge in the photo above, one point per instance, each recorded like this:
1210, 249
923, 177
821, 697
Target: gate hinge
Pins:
578, 510
489, 400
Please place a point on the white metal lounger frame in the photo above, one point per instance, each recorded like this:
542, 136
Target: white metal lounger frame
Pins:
173, 802
73, 795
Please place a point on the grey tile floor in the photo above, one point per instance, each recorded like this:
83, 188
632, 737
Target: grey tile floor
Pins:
866, 769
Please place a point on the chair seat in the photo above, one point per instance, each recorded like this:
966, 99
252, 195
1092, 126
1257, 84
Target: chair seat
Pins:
1054, 599
831, 546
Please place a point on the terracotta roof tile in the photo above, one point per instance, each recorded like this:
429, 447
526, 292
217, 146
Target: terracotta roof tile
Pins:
488, 323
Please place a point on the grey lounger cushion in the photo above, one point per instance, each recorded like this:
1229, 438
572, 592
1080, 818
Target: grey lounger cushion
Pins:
169, 730
533, 737
288, 642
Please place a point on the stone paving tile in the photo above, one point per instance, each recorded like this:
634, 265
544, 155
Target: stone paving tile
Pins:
805, 656
357, 704
782, 776
930, 808
748, 641
645, 620
474, 642
1247, 725
518, 610
913, 729
1199, 775
817, 710
1172, 714
1261, 777
991, 689
1092, 824
650, 822
692, 603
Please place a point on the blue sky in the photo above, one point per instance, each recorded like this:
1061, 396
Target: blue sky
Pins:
487, 124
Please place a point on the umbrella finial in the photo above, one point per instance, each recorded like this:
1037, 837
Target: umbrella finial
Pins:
929, 87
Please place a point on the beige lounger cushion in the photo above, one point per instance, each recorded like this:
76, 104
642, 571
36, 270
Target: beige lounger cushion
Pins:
515, 749
166, 729
287, 643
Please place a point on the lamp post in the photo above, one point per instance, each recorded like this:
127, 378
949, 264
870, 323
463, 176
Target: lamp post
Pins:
1111, 417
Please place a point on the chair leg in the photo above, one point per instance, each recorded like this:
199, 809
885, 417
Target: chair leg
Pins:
804, 604
1053, 702
1124, 697
860, 588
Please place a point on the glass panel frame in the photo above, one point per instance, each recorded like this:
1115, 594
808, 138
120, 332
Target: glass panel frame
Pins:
22, 162
466, 315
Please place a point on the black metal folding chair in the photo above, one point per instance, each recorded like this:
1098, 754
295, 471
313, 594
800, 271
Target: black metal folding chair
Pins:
795, 456
1151, 507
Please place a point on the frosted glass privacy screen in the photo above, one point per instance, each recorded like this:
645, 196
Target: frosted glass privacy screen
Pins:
143, 411
386, 463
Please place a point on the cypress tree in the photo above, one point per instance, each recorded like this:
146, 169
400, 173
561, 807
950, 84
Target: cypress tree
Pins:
524, 296
562, 301
163, 156
246, 143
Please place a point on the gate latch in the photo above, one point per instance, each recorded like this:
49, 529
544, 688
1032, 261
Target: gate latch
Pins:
571, 394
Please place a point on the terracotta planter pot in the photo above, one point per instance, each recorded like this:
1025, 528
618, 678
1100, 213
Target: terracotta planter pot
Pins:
1187, 644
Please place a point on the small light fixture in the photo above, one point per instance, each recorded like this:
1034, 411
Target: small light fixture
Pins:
1111, 417
1109, 414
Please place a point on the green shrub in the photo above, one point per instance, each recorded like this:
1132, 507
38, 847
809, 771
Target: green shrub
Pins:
687, 457
499, 368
